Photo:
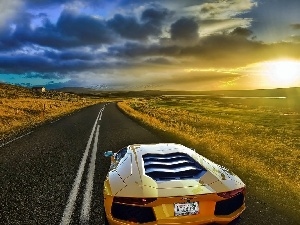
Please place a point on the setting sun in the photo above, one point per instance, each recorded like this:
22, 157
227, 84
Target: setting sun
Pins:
281, 72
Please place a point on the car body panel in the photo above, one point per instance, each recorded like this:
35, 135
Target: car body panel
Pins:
130, 174
164, 212
133, 174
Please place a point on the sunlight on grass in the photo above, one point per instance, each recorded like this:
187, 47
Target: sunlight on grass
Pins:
25, 112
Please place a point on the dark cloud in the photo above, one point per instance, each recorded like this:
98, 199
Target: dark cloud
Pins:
72, 55
87, 29
71, 30
42, 15
24, 64
131, 49
208, 8
75, 30
295, 26
48, 64
241, 32
136, 50
104, 3
23, 25
208, 52
38, 3
46, 35
6, 41
222, 50
213, 47
185, 29
129, 27
155, 15
179, 3
159, 60
49, 76
45, 3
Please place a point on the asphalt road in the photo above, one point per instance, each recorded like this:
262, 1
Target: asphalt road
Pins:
54, 174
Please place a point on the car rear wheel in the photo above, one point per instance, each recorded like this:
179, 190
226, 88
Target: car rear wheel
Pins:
105, 218
235, 221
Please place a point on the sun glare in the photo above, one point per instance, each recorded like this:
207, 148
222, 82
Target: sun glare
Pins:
281, 72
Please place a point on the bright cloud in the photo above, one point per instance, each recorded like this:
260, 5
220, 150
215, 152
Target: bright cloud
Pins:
8, 11
221, 9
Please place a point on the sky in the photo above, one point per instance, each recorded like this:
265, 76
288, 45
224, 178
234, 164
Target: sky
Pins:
142, 45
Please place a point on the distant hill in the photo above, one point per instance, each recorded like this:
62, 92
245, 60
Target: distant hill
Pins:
79, 90
14, 91
11, 91
278, 92
7, 90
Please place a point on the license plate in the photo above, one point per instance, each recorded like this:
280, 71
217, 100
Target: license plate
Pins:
184, 209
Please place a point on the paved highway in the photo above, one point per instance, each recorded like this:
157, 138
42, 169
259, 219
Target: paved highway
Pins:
54, 174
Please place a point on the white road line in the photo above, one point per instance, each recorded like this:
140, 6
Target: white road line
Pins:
54, 121
86, 203
101, 114
66, 219
15, 139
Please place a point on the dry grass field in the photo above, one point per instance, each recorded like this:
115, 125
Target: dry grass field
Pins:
20, 108
261, 144
260, 141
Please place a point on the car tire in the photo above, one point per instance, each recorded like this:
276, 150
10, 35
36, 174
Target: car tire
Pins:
105, 218
236, 221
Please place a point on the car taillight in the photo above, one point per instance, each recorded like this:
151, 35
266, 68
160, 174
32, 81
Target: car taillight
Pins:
230, 194
133, 201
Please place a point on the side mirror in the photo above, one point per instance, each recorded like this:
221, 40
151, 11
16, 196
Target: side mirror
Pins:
108, 154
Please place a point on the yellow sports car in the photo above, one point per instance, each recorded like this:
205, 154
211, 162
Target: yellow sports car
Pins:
169, 184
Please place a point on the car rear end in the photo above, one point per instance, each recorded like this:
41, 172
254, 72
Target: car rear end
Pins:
196, 209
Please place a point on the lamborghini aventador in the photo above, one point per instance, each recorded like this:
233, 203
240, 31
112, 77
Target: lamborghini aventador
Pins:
169, 184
